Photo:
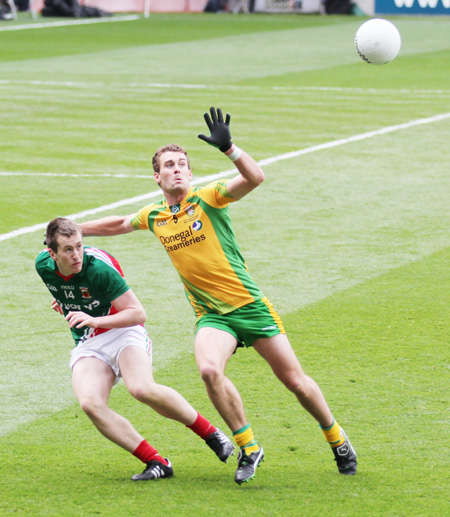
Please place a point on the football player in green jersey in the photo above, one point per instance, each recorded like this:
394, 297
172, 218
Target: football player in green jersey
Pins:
194, 226
106, 319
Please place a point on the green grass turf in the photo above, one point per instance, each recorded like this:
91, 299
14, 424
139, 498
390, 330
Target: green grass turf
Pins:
159, 28
98, 113
350, 243
377, 354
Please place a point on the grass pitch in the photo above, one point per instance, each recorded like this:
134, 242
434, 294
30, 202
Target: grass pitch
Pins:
349, 242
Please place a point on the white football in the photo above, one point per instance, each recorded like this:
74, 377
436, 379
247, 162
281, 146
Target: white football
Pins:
377, 41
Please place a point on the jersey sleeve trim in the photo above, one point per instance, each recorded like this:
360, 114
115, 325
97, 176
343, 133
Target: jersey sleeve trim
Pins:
140, 220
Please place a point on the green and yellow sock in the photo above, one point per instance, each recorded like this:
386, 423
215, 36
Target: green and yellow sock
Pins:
333, 434
245, 439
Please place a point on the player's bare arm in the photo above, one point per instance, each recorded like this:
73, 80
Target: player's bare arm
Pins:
251, 174
108, 226
129, 312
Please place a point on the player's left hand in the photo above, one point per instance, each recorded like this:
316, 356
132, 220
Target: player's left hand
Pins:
220, 130
80, 319
56, 307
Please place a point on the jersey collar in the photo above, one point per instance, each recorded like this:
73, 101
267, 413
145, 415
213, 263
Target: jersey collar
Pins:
182, 202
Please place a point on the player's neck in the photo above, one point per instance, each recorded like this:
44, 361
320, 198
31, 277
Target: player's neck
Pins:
175, 199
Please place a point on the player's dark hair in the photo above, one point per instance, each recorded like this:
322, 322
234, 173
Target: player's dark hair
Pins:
169, 147
57, 227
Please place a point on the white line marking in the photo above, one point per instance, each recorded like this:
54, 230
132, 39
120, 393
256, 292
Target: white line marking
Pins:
74, 175
228, 87
71, 22
223, 174
354, 90
356, 138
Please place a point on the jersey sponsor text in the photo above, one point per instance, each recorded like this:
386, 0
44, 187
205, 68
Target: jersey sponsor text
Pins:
181, 240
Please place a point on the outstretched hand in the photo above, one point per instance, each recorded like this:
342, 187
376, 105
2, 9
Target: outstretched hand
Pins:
219, 129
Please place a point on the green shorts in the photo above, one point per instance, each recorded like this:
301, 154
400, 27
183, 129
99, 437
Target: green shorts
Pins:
247, 324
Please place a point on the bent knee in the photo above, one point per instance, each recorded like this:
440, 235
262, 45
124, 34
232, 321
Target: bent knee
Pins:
92, 407
297, 384
144, 392
210, 373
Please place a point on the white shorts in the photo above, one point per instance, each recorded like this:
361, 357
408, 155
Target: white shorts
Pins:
109, 345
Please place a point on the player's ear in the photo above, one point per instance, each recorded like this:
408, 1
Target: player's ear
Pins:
156, 177
52, 254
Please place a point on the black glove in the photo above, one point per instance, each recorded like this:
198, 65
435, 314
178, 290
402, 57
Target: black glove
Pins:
220, 130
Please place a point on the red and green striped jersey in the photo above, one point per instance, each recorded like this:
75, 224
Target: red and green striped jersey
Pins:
92, 290
199, 238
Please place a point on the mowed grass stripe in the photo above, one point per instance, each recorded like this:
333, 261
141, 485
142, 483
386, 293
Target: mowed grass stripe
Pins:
267, 161
352, 213
374, 350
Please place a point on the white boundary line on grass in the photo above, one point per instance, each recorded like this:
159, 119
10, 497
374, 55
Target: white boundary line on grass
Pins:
228, 87
71, 22
223, 174
74, 175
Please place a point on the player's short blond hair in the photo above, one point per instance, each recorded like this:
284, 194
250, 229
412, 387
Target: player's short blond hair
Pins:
167, 148
60, 226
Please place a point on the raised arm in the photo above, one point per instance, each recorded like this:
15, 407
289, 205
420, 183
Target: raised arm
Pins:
107, 226
251, 175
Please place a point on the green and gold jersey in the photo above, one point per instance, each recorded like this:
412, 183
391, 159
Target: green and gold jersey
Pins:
199, 238
92, 290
